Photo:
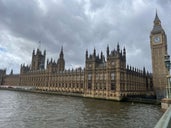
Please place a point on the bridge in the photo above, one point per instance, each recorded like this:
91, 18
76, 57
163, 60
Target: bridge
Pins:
165, 120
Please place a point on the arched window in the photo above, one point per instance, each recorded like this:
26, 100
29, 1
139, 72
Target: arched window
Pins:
89, 76
112, 76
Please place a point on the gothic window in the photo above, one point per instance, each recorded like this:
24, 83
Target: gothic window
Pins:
122, 76
112, 76
89, 76
113, 87
89, 85
101, 86
105, 76
97, 76
101, 76
81, 85
98, 86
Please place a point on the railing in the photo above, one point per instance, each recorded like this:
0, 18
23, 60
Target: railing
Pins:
165, 120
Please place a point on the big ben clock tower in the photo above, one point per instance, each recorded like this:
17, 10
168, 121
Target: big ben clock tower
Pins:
158, 42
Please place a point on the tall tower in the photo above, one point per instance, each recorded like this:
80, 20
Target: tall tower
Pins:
2, 75
158, 42
61, 61
116, 68
38, 60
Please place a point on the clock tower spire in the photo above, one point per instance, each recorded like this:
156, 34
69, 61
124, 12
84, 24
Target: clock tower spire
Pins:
157, 20
158, 43
157, 27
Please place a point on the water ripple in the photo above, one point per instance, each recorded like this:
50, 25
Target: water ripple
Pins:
31, 110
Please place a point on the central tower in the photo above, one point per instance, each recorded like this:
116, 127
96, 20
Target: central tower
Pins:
158, 42
38, 60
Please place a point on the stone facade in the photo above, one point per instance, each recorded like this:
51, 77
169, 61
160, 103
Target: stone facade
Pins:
11, 79
158, 42
112, 79
2, 75
106, 78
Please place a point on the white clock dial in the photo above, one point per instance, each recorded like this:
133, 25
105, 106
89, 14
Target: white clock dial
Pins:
156, 39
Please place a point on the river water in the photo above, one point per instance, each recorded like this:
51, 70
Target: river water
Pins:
34, 110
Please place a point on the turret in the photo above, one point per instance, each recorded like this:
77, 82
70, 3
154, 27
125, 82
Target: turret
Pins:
23, 69
117, 57
61, 61
94, 53
44, 52
61, 53
11, 73
107, 51
33, 52
37, 51
101, 55
144, 71
124, 52
86, 54
118, 47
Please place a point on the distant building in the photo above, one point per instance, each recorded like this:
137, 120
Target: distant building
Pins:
11, 79
2, 75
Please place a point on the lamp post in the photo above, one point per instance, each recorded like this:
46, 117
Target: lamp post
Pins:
168, 66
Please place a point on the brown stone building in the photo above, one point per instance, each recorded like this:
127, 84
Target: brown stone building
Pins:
2, 75
107, 78
158, 42
102, 77
11, 79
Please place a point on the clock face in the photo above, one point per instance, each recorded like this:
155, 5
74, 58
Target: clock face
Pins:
156, 39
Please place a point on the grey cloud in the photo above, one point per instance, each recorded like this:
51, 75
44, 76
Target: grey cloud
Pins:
80, 25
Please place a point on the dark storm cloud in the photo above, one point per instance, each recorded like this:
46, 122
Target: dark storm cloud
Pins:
78, 25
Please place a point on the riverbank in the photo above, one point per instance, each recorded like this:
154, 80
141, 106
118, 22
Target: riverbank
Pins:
143, 100
32, 89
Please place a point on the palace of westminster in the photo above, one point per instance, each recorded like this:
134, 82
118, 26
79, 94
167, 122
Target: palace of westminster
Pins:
102, 77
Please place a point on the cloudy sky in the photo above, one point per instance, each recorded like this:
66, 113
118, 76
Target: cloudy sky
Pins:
78, 25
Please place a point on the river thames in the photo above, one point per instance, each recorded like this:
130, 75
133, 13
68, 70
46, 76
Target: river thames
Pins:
34, 110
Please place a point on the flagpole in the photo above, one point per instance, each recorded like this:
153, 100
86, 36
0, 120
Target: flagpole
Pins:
39, 44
